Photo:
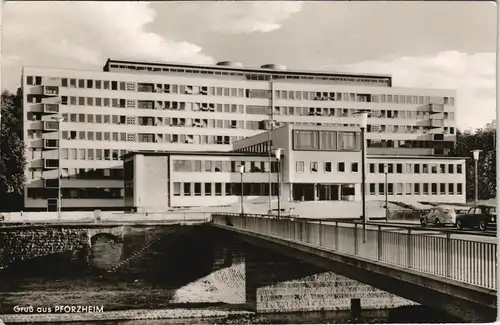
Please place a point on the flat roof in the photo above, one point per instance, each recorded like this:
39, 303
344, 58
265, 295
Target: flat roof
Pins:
193, 153
415, 157
245, 69
256, 154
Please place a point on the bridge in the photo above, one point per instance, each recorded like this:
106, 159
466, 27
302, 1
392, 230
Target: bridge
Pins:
430, 266
450, 270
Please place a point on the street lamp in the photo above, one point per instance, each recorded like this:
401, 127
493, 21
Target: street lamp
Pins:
242, 170
475, 154
277, 153
58, 119
386, 170
363, 121
269, 151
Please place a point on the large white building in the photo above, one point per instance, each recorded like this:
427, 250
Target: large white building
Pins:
317, 164
136, 106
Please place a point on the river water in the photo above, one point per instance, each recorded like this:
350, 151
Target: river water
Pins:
148, 280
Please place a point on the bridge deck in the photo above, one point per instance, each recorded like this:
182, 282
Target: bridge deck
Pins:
431, 252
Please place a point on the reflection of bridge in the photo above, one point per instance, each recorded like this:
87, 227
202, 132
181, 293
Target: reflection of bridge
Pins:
454, 275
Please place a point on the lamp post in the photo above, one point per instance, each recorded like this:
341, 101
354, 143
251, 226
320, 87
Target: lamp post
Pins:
363, 121
277, 153
242, 170
59, 119
475, 154
269, 151
386, 170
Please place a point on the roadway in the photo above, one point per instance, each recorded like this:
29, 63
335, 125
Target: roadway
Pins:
488, 236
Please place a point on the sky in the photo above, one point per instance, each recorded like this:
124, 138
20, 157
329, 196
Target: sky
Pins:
449, 45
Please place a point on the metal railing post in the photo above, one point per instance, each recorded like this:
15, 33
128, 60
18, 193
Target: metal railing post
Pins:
355, 239
448, 255
320, 233
409, 251
336, 236
379, 243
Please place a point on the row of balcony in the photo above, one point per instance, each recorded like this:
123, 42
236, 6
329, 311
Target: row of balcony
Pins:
44, 90
48, 108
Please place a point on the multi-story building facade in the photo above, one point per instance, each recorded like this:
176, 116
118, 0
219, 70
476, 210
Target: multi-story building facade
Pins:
134, 106
316, 164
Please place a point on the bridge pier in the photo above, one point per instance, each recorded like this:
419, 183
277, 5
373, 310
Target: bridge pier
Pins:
276, 283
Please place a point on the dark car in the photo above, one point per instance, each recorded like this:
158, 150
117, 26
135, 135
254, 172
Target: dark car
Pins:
481, 216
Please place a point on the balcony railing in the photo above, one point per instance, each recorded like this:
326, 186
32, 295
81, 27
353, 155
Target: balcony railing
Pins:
50, 143
51, 108
437, 123
468, 261
51, 163
50, 126
437, 108
51, 183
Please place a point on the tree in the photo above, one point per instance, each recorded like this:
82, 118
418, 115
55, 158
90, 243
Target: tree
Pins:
484, 140
12, 158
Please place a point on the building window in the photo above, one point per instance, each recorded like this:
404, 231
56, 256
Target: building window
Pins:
218, 189
177, 189
341, 167
416, 189
372, 189
197, 189
347, 141
399, 168
187, 189
381, 188
459, 169
208, 189
442, 189
229, 189
425, 190
442, 169
451, 190
390, 189
328, 167
354, 167
434, 189
434, 168
328, 140
399, 189
416, 168
314, 166
459, 188
450, 169
305, 140
372, 168
300, 166
381, 168
425, 168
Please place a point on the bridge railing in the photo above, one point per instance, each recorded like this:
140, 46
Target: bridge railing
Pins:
433, 252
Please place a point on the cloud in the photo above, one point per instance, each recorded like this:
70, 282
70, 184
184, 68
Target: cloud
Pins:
72, 33
250, 17
471, 75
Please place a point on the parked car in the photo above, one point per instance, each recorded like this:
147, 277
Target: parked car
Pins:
284, 212
481, 216
440, 215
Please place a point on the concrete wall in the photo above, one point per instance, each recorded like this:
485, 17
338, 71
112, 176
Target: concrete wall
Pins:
89, 216
154, 186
